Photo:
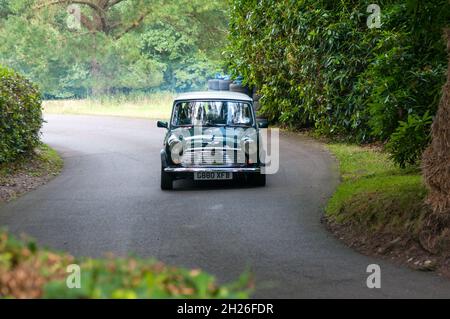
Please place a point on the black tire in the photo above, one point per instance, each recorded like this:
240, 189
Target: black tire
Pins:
224, 85
238, 88
258, 180
166, 180
213, 85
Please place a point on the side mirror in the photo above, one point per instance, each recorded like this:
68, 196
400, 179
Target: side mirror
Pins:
162, 124
262, 123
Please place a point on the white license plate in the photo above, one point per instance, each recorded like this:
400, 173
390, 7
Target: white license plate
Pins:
212, 176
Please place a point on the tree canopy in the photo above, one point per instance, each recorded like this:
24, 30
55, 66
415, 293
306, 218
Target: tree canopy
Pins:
117, 46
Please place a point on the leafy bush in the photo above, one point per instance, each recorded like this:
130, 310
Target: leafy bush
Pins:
29, 272
318, 65
410, 139
20, 115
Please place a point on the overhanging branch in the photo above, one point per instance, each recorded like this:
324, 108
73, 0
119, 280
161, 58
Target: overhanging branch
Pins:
134, 25
100, 11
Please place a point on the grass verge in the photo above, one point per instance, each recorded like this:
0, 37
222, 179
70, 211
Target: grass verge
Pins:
374, 193
379, 208
155, 106
27, 271
28, 172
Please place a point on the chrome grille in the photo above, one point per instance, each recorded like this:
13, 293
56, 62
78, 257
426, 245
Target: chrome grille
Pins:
211, 156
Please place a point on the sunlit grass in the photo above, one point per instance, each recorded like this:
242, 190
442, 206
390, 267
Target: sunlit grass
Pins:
375, 193
153, 106
29, 171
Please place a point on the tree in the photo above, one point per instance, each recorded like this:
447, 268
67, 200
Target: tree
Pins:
4, 9
112, 49
112, 17
188, 41
185, 66
436, 171
107, 21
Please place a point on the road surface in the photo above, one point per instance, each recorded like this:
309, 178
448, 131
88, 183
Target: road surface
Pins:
108, 199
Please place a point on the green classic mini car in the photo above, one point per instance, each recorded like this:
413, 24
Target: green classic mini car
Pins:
213, 136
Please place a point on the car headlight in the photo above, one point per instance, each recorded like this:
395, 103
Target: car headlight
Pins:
176, 150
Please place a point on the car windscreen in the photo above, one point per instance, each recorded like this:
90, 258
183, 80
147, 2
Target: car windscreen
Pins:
212, 113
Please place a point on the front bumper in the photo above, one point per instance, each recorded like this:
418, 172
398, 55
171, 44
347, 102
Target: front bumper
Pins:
212, 169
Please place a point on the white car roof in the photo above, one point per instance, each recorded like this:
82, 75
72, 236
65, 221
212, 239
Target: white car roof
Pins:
214, 95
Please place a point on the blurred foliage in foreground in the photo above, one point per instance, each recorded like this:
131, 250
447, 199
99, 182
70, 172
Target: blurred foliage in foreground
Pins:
26, 271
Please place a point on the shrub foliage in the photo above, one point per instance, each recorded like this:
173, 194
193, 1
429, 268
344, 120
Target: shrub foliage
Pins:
318, 64
410, 139
27, 271
20, 115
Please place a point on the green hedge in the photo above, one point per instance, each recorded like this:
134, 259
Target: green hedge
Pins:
20, 115
319, 65
27, 271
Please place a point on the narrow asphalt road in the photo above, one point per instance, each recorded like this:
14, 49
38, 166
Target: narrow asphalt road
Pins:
108, 199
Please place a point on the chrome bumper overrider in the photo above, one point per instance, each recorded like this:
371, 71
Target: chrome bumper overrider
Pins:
212, 169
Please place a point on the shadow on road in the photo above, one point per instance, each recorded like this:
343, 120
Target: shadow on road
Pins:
191, 185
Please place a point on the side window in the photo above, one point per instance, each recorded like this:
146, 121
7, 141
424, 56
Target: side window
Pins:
240, 113
182, 114
247, 115
199, 113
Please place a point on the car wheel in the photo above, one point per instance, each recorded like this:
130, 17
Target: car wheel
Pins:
166, 180
257, 180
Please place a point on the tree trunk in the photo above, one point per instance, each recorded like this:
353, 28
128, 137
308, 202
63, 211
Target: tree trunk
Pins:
436, 172
436, 160
95, 75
